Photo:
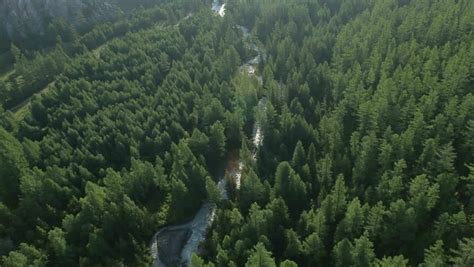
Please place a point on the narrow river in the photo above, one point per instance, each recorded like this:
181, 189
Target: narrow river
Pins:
174, 245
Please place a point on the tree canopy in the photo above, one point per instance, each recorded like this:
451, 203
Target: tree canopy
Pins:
365, 111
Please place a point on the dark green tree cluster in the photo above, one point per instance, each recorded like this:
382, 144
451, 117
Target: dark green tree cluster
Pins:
33, 69
118, 15
125, 141
368, 156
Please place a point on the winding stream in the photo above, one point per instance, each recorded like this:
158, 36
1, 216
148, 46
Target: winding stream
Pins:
174, 245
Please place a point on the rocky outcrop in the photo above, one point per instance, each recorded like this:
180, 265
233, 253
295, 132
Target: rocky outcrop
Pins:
23, 18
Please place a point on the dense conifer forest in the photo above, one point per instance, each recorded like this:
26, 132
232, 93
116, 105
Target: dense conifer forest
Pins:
365, 135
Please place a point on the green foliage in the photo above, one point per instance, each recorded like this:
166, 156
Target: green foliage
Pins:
392, 262
12, 166
260, 257
463, 255
196, 261
434, 256
352, 224
366, 110
217, 140
288, 263
423, 197
314, 250
26, 255
342, 253
294, 248
291, 188
299, 156
179, 200
58, 244
362, 253
252, 190
212, 190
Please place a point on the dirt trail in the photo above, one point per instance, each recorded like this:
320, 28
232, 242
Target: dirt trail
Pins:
27, 101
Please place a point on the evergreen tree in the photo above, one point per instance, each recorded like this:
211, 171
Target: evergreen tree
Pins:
363, 253
342, 253
463, 255
291, 188
288, 263
260, 257
314, 250
434, 256
299, 156
12, 167
217, 143
213, 192
294, 248
252, 190
391, 261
